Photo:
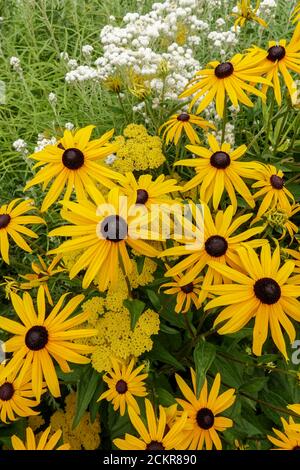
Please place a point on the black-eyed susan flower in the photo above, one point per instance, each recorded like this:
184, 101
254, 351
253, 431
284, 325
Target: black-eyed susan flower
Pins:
156, 435
262, 292
41, 274
245, 12
178, 123
147, 191
12, 223
74, 164
186, 295
270, 185
279, 60
39, 339
203, 421
295, 408
43, 443
219, 245
124, 384
104, 229
16, 397
280, 220
289, 438
296, 13
218, 170
226, 79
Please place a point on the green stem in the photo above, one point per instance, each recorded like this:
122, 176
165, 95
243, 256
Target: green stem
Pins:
270, 116
224, 121
123, 107
296, 125
188, 326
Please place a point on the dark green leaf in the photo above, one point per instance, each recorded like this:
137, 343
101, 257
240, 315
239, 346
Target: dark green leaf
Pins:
204, 354
136, 308
88, 383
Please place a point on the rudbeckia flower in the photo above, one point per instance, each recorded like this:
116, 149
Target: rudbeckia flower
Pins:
219, 245
157, 435
218, 169
40, 338
103, 229
12, 223
203, 421
41, 275
74, 164
147, 191
178, 123
44, 443
16, 396
124, 384
271, 187
288, 439
226, 79
262, 291
245, 13
186, 295
278, 60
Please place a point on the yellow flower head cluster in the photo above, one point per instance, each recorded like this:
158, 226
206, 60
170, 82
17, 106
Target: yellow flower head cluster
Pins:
95, 306
85, 436
70, 258
137, 150
116, 339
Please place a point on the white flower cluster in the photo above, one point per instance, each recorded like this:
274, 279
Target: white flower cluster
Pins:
20, 146
42, 142
229, 134
52, 98
267, 8
166, 35
221, 41
15, 63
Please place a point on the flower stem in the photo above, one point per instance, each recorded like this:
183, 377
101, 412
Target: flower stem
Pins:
224, 121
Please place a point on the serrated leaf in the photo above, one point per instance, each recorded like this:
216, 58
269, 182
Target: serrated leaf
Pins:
204, 354
136, 308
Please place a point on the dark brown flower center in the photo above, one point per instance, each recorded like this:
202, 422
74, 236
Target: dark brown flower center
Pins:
220, 160
224, 70
121, 386
296, 448
141, 196
114, 228
216, 246
4, 220
155, 445
277, 182
205, 418
267, 290
188, 288
6, 391
183, 117
36, 338
276, 53
73, 158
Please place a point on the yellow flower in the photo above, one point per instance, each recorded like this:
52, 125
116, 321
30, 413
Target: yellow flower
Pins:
203, 420
12, 223
271, 188
86, 435
114, 83
156, 436
38, 339
295, 408
41, 275
16, 396
10, 285
280, 220
147, 191
74, 163
137, 150
246, 13
104, 229
296, 13
219, 245
261, 292
277, 61
124, 384
230, 79
186, 294
218, 170
183, 122
44, 442
289, 439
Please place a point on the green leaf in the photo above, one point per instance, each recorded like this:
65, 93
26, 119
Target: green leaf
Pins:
154, 299
254, 385
94, 403
136, 308
160, 353
204, 354
140, 261
165, 398
88, 383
